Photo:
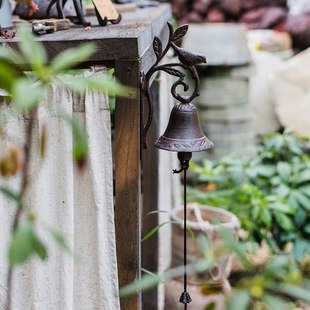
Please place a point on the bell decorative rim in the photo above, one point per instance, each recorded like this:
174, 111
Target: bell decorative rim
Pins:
183, 145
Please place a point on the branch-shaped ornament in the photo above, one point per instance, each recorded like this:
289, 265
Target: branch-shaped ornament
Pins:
188, 60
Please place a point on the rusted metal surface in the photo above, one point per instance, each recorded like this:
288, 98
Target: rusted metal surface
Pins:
185, 110
183, 133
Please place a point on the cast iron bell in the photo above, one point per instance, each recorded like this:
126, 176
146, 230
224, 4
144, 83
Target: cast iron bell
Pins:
183, 133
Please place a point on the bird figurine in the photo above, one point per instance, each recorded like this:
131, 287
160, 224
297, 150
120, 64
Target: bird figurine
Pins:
33, 7
188, 58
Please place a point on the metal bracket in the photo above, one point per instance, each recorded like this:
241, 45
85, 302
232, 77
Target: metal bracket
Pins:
188, 60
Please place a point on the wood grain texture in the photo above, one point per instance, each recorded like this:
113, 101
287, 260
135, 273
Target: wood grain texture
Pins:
127, 47
127, 182
150, 202
127, 40
223, 44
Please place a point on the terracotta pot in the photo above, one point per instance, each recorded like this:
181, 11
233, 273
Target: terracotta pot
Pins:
200, 220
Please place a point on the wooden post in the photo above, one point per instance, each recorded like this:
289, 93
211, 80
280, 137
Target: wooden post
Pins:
127, 181
150, 202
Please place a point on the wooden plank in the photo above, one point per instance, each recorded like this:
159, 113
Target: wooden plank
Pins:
127, 182
237, 115
226, 127
126, 40
216, 153
120, 8
150, 202
222, 91
223, 44
244, 71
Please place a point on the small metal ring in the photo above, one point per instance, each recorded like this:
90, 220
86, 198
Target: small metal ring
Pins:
7, 35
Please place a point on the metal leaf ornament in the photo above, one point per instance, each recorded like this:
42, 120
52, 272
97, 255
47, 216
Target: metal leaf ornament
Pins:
174, 72
157, 46
188, 60
179, 33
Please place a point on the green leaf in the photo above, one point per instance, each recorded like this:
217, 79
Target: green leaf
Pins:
292, 201
276, 180
80, 84
230, 242
270, 241
302, 177
284, 170
255, 211
302, 199
161, 281
147, 281
274, 303
266, 216
21, 245
153, 231
300, 217
282, 207
12, 58
277, 264
282, 190
33, 50
207, 165
155, 212
240, 300
298, 250
12, 195
306, 244
39, 247
265, 170
59, 238
275, 142
25, 96
294, 291
307, 228
205, 245
80, 147
71, 57
287, 131
293, 145
284, 221
305, 189
290, 236
8, 76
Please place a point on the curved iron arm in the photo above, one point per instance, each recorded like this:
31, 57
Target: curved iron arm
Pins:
188, 60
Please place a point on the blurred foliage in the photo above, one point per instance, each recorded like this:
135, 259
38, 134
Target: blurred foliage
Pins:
270, 287
270, 194
25, 76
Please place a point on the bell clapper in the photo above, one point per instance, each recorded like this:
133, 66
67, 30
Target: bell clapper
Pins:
184, 158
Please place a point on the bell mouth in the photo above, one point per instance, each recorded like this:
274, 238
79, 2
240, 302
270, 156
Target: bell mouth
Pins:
183, 145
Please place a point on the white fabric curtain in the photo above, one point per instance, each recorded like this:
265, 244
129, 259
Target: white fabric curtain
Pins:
80, 205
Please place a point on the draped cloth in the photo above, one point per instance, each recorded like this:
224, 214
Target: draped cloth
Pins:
80, 205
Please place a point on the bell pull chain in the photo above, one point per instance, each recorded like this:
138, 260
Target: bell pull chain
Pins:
184, 158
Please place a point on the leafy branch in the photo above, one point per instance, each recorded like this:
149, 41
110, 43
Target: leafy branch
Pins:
25, 78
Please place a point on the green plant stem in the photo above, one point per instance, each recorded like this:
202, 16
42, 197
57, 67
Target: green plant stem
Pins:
24, 184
